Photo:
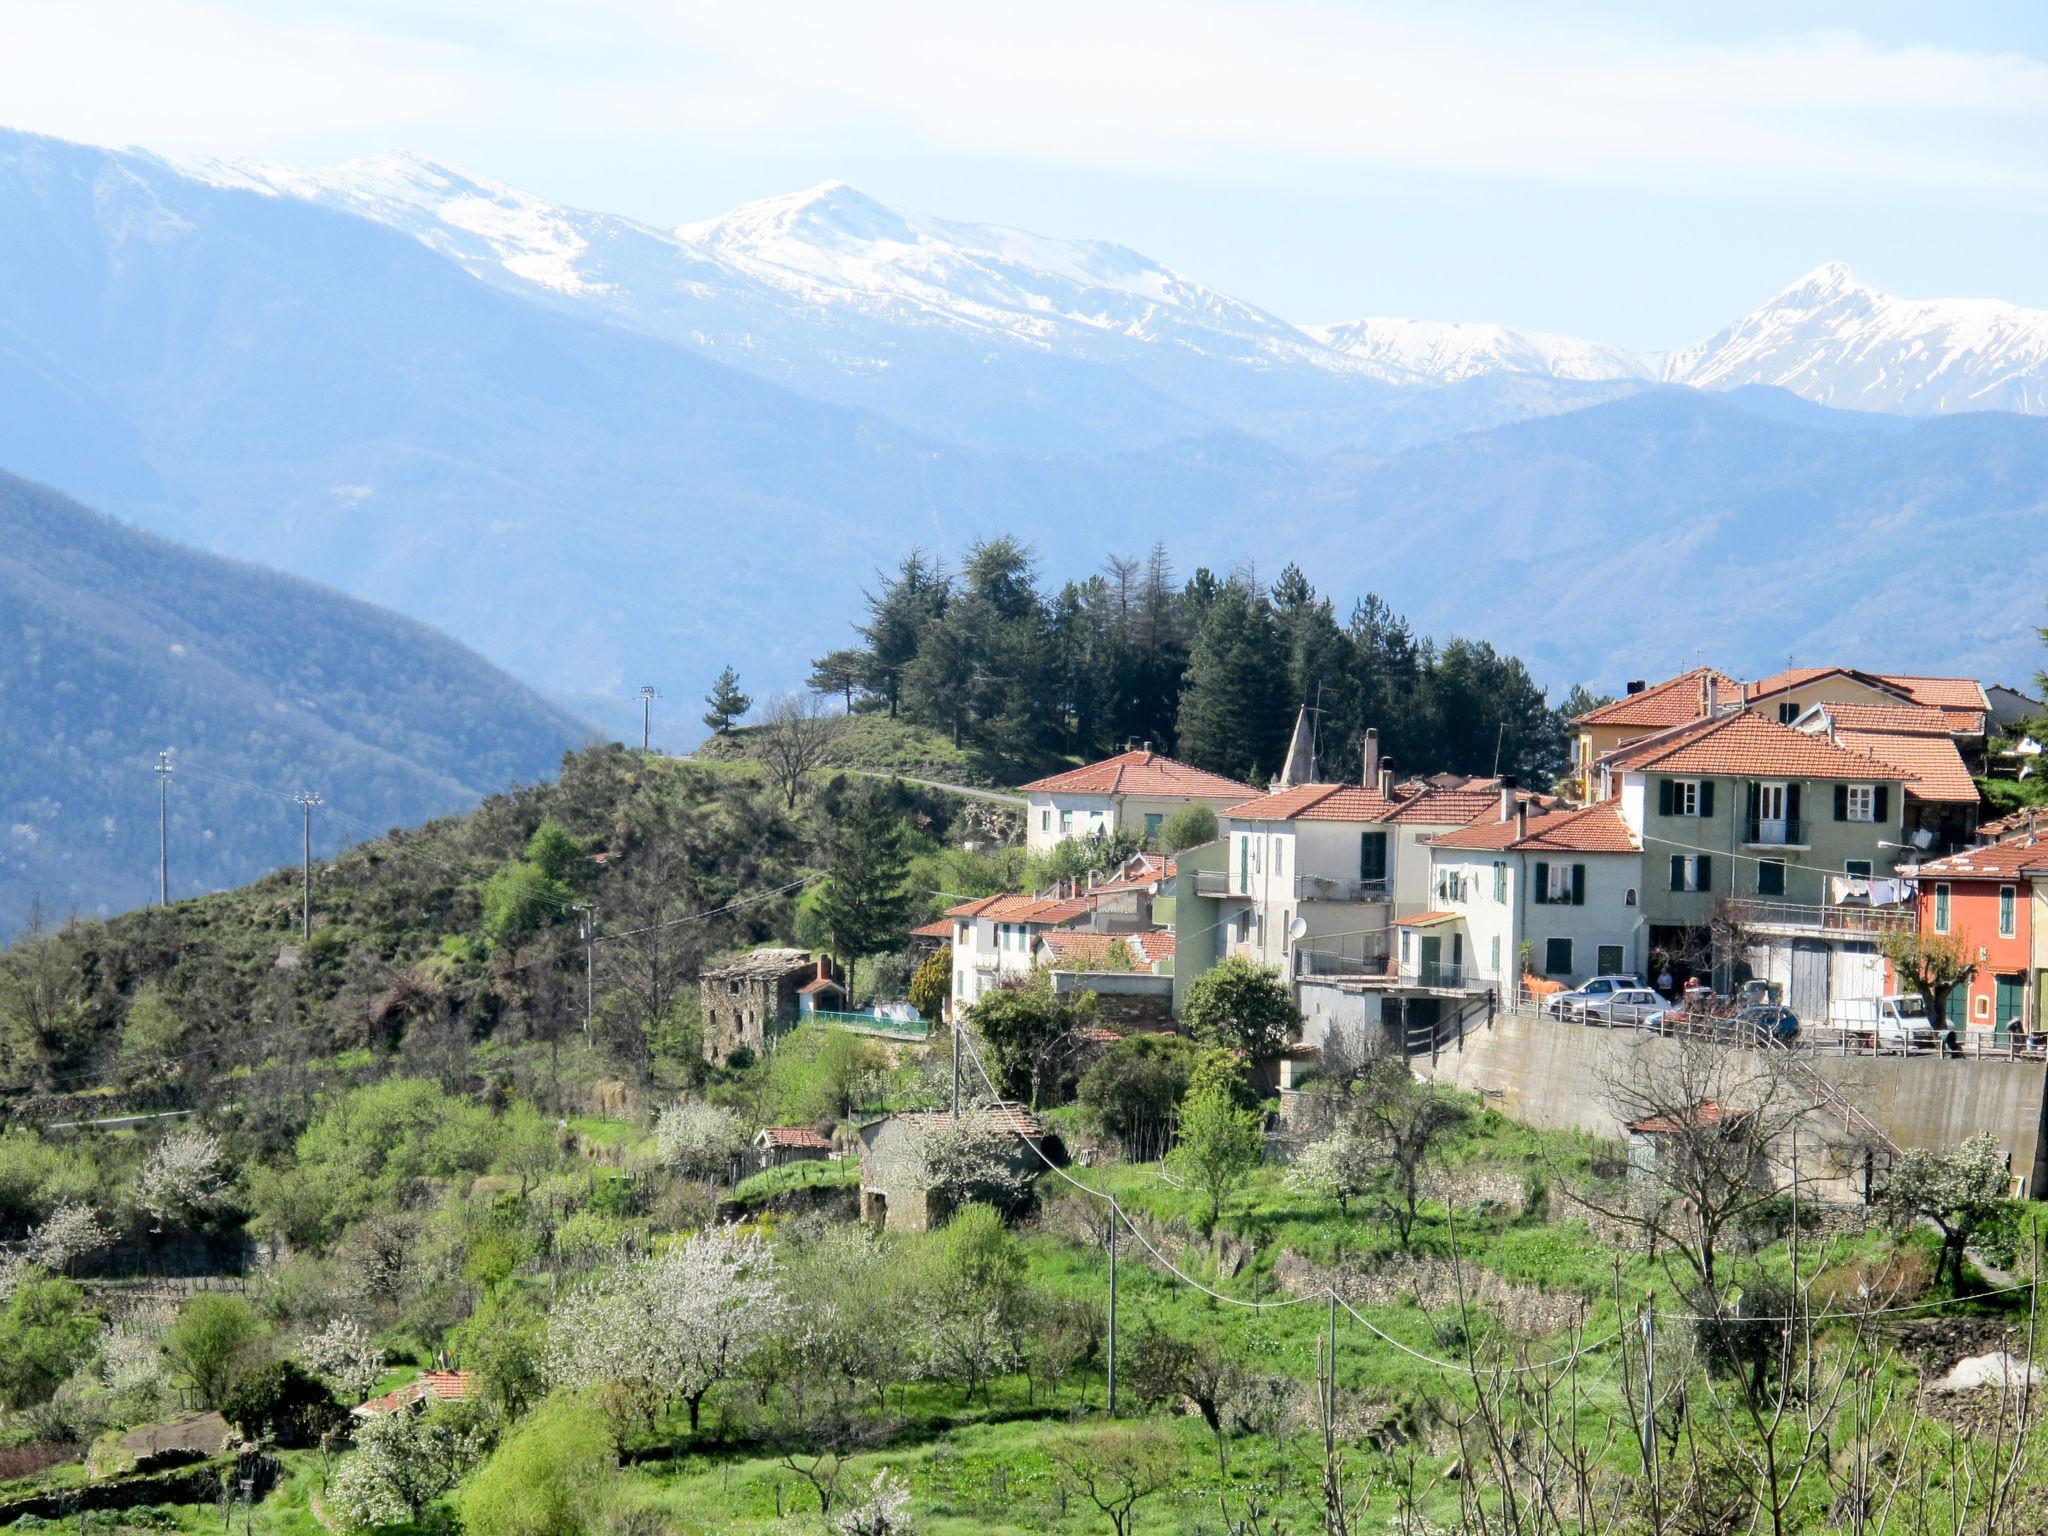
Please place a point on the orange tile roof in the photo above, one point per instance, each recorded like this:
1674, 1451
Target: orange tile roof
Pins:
2025, 819
1004, 1116
1424, 919
942, 929
820, 984
1318, 802
1596, 829
442, 1386
793, 1138
1092, 949
2019, 858
1707, 1112
1141, 773
1747, 744
1671, 702
1940, 692
1041, 910
1138, 872
1936, 768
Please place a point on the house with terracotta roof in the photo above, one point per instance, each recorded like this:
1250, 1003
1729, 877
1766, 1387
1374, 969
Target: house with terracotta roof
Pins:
1995, 901
779, 1144
1941, 796
747, 1002
1778, 834
893, 1163
1316, 874
1556, 895
423, 1391
1788, 695
1642, 709
1132, 792
995, 939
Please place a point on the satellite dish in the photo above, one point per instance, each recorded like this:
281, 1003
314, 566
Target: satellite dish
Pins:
1298, 929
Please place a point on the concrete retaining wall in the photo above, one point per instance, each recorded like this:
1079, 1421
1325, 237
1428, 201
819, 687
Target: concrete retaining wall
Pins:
1557, 1075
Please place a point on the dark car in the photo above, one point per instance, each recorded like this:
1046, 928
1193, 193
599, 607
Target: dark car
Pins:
1769, 1021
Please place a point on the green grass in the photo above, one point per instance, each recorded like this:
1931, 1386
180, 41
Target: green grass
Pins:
766, 1185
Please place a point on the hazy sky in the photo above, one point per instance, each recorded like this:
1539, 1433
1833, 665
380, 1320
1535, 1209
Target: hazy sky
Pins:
1639, 174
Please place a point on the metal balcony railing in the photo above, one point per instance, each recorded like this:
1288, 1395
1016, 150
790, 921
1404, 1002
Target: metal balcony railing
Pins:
1782, 832
1212, 882
1822, 917
1337, 888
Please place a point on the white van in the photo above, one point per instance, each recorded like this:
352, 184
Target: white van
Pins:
1900, 1020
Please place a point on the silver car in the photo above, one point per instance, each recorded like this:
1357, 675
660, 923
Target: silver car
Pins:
1625, 1006
1567, 1005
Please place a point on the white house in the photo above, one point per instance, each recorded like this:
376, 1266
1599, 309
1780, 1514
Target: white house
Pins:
1132, 792
1318, 874
1567, 884
997, 936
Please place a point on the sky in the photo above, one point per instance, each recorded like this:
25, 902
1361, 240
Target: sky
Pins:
1636, 174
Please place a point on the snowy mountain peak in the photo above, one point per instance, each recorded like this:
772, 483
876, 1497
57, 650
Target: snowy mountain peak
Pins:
832, 210
1432, 351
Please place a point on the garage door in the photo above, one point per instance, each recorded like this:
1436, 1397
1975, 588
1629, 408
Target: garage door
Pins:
1808, 994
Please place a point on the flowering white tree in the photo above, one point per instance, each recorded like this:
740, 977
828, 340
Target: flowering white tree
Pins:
671, 1326
401, 1464
883, 1509
973, 1157
70, 1232
699, 1139
1340, 1167
182, 1177
344, 1356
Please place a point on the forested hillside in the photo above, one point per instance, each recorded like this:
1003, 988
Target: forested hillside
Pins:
121, 645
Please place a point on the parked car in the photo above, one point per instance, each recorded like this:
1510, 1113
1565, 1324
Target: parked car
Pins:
1566, 1005
1769, 1021
1710, 1015
1623, 1006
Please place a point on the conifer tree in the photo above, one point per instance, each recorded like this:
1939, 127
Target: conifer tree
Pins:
1233, 717
863, 904
728, 704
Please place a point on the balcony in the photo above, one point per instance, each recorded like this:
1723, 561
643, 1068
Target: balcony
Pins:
1778, 832
1821, 917
1356, 957
1337, 888
1212, 882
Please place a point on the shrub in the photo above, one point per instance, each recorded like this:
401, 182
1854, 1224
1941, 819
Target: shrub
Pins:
1188, 827
1131, 1089
209, 1342
44, 1333
547, 1478
282, 1402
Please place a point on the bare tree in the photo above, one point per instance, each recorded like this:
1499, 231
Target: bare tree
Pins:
796, 735
1117, 1469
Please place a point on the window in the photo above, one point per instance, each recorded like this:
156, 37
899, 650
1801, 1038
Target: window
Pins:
1685, 797
2007, 916
1407, 943
1941, 909
1493, 956
1045, 821
1770, 877
1066, 823
1610, 959
1500, 881
1279, 855
1560, 884
1690, 873
1557, 957
1152, 821
1862, 802
1787, 712
1857, 869
1372, 855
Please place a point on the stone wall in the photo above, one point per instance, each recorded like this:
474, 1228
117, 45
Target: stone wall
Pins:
1557, 1075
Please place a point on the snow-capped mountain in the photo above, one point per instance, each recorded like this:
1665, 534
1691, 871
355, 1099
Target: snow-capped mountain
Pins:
1435, 351
1843, 343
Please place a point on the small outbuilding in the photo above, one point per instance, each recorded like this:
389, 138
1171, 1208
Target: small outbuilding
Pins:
779, 1144
893, 1195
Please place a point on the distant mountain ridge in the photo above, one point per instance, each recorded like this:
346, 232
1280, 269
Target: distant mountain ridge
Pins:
120, 645
831, 248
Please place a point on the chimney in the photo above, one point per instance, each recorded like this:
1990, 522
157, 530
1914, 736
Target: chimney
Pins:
1637, 685
824, 967
1371, 774
1148, 748
1710, 696
1521, 820
1508, 798
1386, 781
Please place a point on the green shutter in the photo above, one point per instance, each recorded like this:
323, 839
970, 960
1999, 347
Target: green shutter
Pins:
1578, 885
1706, 873
1706, 797
1841, 802
1678, 871
1792, 805
1542, 882
1882, 803
1663, 797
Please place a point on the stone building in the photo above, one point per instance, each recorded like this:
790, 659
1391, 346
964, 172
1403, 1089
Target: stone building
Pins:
751, 1000
893, 1195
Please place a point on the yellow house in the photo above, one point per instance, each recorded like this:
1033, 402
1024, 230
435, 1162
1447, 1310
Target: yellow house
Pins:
1642, 710
1787, 695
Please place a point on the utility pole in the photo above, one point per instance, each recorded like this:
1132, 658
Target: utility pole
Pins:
163, 828
958, 1025
1333, 1359
1649, 1430
306, 800
589, 937
648, 694
1114, 1216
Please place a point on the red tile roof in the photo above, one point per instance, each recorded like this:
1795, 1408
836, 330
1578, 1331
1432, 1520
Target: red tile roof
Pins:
1596, 829
1940, 692
1318, 802
1012, 1118
1706, 1113
820, 984
1141, 773
441, 1386
1671, 702
1961, 696
1747, 744
942, 929
1092, 949
2018, 858
793, 1138
1937, 771
1424, 919
1138, 872
2025, 819
1044, 911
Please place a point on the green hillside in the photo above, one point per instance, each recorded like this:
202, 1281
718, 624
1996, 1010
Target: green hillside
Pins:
121, 645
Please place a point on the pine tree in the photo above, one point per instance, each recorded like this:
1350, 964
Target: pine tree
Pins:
728, 704
864, 904
897, 620
1233, 719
